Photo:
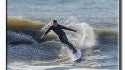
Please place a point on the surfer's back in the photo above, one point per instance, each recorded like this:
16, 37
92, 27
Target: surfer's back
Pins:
58, 29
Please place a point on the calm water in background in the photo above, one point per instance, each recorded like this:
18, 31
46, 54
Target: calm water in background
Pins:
97, 13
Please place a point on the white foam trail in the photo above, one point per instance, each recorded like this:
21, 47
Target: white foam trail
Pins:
26, 66
84, 37
20, 17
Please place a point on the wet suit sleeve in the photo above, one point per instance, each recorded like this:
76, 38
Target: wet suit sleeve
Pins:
48, 30
63, 27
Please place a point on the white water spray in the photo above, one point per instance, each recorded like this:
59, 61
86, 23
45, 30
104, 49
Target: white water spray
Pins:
84, 37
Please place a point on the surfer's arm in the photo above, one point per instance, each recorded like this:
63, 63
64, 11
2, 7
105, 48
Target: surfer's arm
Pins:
69, 29
47, 31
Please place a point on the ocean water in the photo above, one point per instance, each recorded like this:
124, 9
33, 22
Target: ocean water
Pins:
98, 13
96, 22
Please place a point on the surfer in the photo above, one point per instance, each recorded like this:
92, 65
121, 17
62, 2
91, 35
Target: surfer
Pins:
58, 29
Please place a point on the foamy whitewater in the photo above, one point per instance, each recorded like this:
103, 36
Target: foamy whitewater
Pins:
96, 22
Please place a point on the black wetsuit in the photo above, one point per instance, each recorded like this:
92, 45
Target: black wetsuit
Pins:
62, 36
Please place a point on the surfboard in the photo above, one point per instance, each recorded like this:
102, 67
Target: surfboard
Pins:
76, 57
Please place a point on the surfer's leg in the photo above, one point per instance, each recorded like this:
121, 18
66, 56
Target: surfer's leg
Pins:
71, 47
65, 41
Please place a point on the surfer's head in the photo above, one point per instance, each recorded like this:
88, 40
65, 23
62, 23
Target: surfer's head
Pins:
55, 23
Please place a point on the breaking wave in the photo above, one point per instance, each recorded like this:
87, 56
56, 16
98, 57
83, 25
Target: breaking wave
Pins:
26, 45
